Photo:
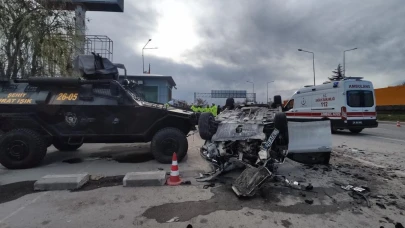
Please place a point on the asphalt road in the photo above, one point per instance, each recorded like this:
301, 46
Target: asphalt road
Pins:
373, 158
384, 146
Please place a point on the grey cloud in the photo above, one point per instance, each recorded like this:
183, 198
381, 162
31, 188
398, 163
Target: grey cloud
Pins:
258, 40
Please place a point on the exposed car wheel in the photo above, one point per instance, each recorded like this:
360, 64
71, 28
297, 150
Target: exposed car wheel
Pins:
62, 146
355, 131
281, 123
22, 148
206, 125
326, 159
277, 100
167, 141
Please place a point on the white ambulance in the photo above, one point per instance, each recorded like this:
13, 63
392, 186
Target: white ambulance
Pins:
348, 104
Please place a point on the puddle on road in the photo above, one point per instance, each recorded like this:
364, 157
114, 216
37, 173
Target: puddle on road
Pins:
126, 154
9, 192
73, 160
224, 199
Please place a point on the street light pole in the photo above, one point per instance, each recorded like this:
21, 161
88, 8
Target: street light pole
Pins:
253, 90
143, 60
268, 91
313, 61
344, 61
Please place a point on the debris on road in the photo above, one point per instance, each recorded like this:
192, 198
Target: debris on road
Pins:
309, 201
96, 177
380, 205
309, 187
174, 219
186, 183
399, 225
210, 185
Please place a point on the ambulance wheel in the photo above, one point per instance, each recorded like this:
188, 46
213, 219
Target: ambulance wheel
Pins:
206, 125
281, 123
355, 131
22, 148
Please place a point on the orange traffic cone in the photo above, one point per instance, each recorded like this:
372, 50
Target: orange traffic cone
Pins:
398, 124
174, 178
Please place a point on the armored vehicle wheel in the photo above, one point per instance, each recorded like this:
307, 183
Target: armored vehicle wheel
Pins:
167, 141
62, 146
206, 125
280, 122
22, 148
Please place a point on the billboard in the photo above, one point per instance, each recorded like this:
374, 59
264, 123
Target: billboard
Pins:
228, 93
90, 5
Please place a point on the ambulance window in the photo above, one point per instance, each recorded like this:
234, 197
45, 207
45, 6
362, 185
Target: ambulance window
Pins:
360, 98
289, 105
368, 99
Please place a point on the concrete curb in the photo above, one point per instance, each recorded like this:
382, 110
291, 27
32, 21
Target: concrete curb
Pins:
388, 122
61, 182
131, 179
140, 179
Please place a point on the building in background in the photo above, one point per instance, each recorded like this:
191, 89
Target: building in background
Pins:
154, 88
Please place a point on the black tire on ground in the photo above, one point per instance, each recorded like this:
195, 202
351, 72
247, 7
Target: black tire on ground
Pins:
281, 123
206, 125
167, 141
277, 100
326, 159
22, 148
355, 131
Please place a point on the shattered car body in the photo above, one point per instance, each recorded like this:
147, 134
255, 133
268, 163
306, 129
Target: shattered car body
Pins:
257, 138
249, 136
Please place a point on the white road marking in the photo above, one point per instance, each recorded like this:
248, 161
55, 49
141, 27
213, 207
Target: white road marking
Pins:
399, 140
21, 208
38, 197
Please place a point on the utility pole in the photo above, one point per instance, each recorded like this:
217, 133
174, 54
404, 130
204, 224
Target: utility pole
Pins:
268, 91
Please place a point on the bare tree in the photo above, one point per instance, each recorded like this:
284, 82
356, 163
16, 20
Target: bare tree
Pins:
201, 102
35, 40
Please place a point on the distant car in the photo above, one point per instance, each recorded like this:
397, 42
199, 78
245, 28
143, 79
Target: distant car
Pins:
67, 112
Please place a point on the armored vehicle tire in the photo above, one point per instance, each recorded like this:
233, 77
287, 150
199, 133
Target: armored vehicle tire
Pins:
355, 131
206, 125
167, 141
62, 146
22, 148
281, 123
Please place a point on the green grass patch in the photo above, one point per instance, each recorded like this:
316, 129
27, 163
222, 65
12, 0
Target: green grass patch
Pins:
391, 117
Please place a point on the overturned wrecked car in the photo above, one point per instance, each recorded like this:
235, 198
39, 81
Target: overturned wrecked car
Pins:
255, 137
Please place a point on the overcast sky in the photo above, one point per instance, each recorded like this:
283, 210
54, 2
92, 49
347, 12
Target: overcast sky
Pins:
210, 45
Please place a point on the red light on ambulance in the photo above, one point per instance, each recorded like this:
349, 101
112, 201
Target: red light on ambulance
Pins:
344, 113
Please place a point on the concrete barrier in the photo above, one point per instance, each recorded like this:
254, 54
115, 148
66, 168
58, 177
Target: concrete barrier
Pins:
61, 182
309, 137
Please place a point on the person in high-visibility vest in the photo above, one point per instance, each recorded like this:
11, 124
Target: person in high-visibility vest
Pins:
214, 109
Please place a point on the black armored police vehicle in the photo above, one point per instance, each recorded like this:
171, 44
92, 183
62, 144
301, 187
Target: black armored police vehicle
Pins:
66, 112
